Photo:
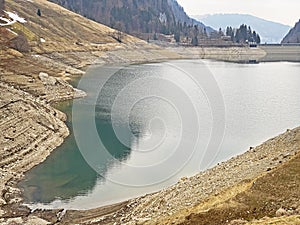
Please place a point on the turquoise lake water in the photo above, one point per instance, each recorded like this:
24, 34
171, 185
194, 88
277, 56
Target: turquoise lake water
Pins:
159, 122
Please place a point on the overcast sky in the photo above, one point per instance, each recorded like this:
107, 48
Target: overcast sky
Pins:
283, 11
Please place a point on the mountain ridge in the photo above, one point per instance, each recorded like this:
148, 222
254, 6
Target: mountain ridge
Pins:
293, 35
270, 32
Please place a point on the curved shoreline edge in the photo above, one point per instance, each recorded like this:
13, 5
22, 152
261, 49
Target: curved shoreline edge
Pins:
46, 125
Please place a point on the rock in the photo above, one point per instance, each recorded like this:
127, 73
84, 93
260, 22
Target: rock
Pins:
46, 79
281, 212
79, 93
143, 221
17, 220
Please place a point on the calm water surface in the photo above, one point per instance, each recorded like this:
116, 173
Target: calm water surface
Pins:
150, 138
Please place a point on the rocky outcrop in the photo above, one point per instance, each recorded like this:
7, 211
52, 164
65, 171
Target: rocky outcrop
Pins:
293, 36
29, 131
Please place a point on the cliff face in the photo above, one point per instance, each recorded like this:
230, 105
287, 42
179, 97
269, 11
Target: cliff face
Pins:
133, 16
294, 34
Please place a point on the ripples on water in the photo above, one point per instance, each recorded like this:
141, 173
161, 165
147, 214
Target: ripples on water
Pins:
261, 101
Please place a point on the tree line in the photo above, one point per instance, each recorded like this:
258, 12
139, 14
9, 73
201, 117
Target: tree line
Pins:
242, 34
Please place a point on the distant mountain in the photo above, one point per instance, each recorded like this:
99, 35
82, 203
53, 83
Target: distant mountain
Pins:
269, 31
134, 16
294, 34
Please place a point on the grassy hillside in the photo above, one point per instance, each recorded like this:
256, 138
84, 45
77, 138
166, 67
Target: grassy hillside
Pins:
59, 42
58, 29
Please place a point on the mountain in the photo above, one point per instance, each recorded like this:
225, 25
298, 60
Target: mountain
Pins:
134, 16
294, 34
269, 31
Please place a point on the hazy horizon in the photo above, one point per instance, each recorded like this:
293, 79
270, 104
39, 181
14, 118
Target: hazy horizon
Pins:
285, 12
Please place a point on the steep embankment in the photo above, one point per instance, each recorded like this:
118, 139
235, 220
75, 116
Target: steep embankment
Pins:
294, 35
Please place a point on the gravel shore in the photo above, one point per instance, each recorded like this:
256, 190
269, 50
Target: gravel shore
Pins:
189, 192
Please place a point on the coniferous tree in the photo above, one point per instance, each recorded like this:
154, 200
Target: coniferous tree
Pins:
258, 39
177, 36
243, 34
39, 13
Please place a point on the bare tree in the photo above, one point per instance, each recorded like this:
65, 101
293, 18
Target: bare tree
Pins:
118, 33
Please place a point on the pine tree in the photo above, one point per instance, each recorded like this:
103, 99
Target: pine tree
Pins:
195, 41
177, 36
220, 32
258, 39
39, 13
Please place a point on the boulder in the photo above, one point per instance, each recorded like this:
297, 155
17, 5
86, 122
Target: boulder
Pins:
46, 79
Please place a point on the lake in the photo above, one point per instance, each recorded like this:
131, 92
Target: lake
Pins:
143, 127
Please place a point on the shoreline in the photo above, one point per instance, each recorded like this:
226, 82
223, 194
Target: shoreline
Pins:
11, 198
155, 207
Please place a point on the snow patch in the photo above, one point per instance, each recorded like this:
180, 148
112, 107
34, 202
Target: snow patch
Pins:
8, 22
12, 31
15, 18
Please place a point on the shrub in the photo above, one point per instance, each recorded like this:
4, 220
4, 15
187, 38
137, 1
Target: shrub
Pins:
20, 43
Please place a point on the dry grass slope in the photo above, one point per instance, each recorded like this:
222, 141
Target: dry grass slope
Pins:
61, 29
254, 202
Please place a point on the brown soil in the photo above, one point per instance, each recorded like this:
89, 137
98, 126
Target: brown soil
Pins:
265, 195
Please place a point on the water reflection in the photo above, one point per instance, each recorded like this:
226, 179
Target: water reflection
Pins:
65, 174
262, 100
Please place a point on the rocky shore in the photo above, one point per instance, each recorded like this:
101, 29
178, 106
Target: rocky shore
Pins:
29, 130
172, 205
